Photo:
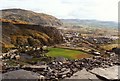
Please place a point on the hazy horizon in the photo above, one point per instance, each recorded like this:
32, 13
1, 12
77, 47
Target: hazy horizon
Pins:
103, 10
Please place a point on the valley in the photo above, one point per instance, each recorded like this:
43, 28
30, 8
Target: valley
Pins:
56, 49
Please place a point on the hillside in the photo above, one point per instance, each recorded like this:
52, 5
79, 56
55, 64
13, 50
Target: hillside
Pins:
25, 34
21, 15
90, 23
19, 28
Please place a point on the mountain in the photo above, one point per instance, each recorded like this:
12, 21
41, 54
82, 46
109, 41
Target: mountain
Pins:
90, 23
20, 30
21, 15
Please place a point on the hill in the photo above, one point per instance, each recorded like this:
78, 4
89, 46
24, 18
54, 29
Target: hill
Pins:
90, 23
20, 28
25, 34
30, 17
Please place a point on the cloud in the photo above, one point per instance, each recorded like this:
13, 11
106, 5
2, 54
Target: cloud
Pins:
82, 9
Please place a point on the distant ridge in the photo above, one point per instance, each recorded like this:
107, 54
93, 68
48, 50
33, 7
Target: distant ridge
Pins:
91, 23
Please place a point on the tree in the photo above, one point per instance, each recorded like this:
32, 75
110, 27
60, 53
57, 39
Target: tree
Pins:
33, 42
19, 41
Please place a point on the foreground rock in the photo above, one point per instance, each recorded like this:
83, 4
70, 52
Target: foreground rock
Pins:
83, 74
61, 68
20, 74
110, 73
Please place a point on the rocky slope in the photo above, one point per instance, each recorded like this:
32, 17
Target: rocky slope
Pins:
24, 29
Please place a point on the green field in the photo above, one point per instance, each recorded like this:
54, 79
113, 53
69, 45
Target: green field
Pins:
71, 54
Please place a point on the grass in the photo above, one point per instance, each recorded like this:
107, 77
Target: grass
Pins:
109, 46
71, 54
114, 44
15, 62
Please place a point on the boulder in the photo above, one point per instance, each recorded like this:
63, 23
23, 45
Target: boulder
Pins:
110, 73
13, 56
1, 57
60, 59
17, 57
8, 55
45, 48
4, 54
83, 75
65, 72
20, 74
35, 67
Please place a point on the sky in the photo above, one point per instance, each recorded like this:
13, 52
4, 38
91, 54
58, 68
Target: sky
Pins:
105, 10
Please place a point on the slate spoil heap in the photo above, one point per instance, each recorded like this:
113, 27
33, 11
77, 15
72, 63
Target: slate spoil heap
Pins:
61, 70
57, 70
